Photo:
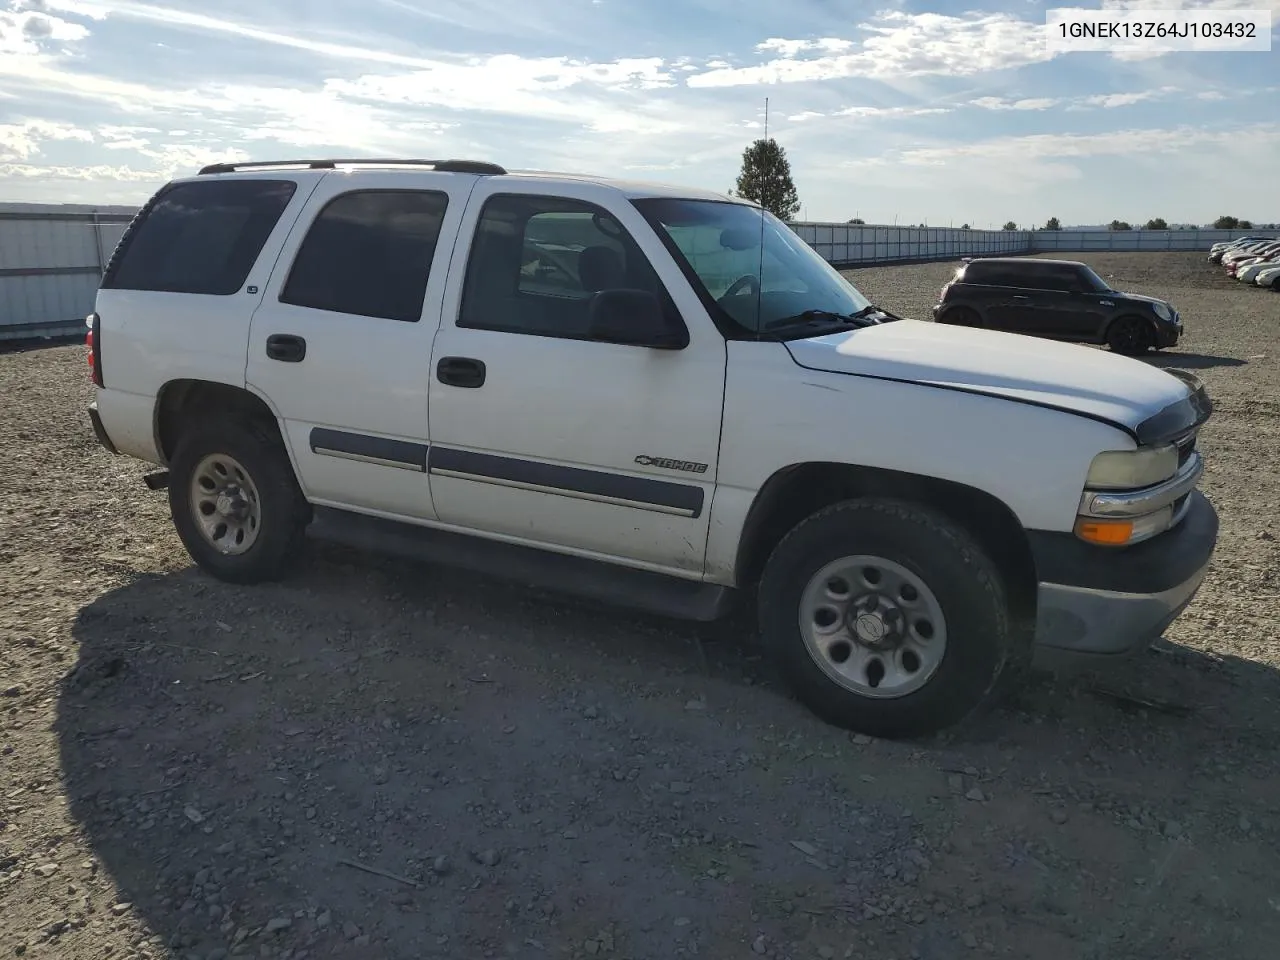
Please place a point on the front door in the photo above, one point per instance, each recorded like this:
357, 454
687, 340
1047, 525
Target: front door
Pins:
542, 435
340, 344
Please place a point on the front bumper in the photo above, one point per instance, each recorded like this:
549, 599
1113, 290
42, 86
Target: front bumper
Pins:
1168, 333
1099, 601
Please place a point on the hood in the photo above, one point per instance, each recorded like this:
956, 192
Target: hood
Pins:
1094, 383
1141, 297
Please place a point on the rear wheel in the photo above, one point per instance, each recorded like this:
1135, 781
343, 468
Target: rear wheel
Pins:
235, 502
886, 618
1131, 336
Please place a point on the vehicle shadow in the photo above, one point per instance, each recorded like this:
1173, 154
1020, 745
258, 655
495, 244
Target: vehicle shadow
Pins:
376, 759
1192, 361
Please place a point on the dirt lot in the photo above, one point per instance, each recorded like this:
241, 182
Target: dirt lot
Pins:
189, 769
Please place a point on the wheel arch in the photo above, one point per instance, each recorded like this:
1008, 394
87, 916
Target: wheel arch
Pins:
797, 491
180, 401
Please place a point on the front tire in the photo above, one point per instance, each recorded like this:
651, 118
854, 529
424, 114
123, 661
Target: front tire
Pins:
886, 618
1130, 336
235, 502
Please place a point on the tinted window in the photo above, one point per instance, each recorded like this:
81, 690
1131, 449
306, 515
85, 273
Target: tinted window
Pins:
369, 253
536, 262
995, 275
201, 237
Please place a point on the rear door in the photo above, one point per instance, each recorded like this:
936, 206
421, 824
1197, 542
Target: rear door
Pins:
341, 342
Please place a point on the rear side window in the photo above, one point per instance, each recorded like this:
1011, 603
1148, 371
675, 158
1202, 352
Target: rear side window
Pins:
997, 275
369, 253
201, 237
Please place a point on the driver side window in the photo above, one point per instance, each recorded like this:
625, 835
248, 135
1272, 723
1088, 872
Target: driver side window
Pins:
536, 262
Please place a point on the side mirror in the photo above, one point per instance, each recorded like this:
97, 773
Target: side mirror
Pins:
634, 318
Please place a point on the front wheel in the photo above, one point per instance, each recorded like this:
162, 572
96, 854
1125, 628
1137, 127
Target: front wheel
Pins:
235, 502
1130, 336
886, 618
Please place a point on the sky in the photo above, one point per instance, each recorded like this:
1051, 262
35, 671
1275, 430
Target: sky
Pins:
937, 112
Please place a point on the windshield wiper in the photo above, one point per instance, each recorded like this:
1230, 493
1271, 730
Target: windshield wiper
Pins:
811, 317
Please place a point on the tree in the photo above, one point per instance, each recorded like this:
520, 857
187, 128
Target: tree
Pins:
766, 179
964, 226
1119, 225
1226, 223
1246, 224
1052, 224
857, 221
1010, 226
1156, 223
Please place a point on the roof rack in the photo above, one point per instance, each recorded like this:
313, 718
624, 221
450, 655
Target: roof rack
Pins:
478, 167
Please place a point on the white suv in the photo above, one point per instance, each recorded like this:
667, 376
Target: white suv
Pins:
657, 396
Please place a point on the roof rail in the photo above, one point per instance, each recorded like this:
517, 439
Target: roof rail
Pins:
478, 167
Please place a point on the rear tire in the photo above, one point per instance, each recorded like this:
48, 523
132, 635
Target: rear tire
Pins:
235, 501
1130, 336
939, 626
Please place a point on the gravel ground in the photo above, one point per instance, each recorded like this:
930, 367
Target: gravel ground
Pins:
384, 761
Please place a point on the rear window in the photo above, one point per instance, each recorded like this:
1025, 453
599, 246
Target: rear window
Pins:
201, 237
995, 274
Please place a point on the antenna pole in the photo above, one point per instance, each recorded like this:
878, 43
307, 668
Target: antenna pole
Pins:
766, 118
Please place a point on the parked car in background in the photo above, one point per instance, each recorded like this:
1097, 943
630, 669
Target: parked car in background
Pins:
1217, 251
1249, 252
1058, 300
1247, 270
1269, 277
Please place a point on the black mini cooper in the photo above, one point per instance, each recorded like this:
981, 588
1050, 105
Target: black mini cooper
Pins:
1057, 300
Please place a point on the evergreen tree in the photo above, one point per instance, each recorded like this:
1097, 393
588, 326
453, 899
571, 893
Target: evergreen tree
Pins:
766, 179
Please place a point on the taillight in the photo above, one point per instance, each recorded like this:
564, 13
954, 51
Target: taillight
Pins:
93, 340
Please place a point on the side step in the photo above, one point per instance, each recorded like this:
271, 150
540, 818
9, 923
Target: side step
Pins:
605, 582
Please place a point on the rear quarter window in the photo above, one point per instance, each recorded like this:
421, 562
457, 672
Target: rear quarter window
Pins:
200, 238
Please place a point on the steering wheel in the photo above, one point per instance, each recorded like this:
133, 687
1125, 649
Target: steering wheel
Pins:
747, 280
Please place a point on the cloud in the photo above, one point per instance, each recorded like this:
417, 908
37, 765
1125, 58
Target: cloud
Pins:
25, 31
899, 45
870, 113
1029, 103
1029, 163
1104, 101
22, 140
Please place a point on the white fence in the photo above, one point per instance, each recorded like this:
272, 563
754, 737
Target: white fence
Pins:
50, 260
1084, 241
843, 243
852, 244
51, 256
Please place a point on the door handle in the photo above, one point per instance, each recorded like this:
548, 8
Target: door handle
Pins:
286, 347
460, 372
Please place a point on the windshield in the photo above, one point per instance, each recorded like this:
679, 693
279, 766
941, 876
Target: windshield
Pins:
1093, 281
757, 287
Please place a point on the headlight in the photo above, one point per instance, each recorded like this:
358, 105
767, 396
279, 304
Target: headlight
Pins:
1162, 311
1132, 469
